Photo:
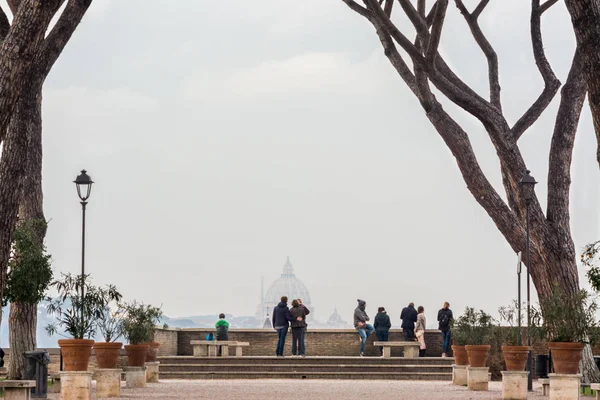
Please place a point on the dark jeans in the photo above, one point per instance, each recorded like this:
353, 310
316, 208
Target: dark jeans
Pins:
409, 334
303, 344
282, 332
422, 352
298, 341
445, 341
382, 336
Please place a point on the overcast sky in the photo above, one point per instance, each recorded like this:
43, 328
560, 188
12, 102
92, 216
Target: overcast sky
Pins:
225, 136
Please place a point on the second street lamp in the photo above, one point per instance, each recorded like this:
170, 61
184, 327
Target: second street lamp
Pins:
84, 190
527, 184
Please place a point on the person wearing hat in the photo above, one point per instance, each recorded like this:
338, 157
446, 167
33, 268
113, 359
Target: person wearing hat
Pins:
360, 324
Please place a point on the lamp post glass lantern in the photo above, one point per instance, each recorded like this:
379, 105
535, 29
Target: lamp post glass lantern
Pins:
84, 183
527, 184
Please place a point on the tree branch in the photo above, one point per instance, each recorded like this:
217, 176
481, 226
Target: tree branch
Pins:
561, 148
547, 5
486, 48
358, 8
436, 31
388, 7
14, 6
479, 9
551, 82
429, 19
422, 8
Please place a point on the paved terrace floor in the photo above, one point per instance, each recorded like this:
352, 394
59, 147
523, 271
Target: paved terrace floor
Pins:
311, 389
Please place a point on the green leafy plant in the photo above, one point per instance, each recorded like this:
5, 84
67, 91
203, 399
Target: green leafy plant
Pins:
510, 335
473, 327
69, 306
591, 259
561, 317
110, 323
139, 321
29, 268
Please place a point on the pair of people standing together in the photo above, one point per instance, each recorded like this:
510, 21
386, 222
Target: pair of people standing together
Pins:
283, 318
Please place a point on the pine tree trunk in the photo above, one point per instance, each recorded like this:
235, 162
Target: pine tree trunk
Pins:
22, 330
23, 316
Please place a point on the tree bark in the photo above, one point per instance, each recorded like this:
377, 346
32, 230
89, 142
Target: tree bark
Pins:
23, 326
23, 316
585, 15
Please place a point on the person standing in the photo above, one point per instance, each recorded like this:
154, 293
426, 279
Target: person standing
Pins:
409, 317
420, 330
445, 318
382, 326
360, 324
281, 323
222, 330
298, 325
306, 325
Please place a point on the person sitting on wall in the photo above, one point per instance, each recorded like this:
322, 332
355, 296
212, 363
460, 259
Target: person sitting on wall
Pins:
222, 328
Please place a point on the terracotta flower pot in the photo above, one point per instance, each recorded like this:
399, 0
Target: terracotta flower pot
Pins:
478, 354
107, 354
76, 353
152, 351
136, 354
515, 357
460, 355
566, 356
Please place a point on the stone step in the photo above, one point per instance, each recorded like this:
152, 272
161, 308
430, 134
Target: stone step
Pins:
253, 360
429, 376
304, 368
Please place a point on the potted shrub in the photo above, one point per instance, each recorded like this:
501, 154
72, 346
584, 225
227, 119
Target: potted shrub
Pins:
78, 317
138, 327
568, 322
477, 328
110, 325
459, 340
515, 355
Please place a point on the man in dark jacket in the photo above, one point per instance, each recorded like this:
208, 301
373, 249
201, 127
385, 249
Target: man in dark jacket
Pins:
409, 317
445, 318
281, 323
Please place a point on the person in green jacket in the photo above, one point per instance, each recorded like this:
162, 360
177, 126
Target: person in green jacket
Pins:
222, 328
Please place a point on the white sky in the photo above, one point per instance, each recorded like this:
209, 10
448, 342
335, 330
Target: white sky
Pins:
225, 136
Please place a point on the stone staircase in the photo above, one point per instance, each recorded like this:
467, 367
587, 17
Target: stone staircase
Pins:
185, 367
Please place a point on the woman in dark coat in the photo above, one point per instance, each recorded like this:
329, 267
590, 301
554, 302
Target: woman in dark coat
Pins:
382, 326
298, 326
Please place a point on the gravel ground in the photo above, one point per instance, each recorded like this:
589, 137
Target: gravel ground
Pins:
311, 389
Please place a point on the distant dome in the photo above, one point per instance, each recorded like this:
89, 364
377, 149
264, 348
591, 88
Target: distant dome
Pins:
286, 285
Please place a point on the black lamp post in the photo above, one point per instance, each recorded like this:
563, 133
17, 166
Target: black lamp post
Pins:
527, 184
84, 189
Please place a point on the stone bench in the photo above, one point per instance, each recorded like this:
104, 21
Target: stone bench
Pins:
17, 390
596, 387
545, 386
411, 349
209, 348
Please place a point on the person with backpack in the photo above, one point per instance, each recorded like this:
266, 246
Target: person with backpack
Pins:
222, 328
445, 318
382, 326
360, 324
